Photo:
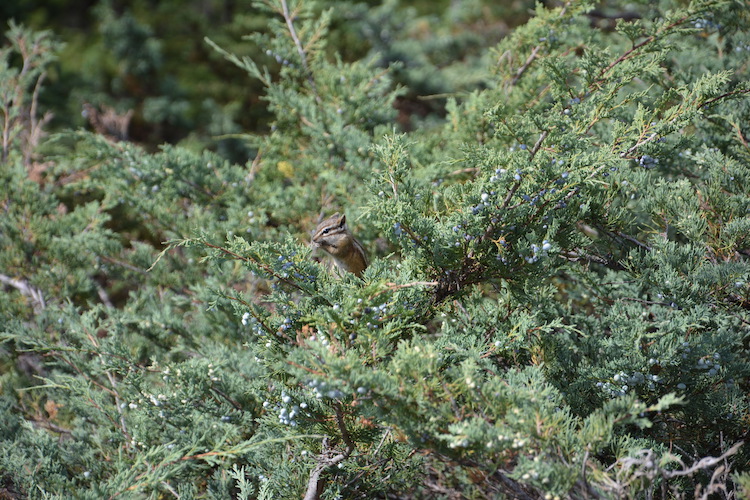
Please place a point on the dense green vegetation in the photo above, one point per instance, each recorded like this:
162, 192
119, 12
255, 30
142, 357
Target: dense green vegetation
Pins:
555, 204
150, 59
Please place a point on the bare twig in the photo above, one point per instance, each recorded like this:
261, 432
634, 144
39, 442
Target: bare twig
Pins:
342, 427
104, 296
26, 289
626, 154
20, 110
514, 188
633, 240
325, 459
511, 485
526, 64
107, 122
538, 144
645, 465
288, 18
632, 52
396, 286
741, 137
255, 166
462, 171
118, 401
226, 396
703, 463
46, 424
34, 134
124, 264
386, 434
170, 489
723, 96
328, 457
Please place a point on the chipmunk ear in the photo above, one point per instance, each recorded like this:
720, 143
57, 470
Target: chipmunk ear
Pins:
343, 221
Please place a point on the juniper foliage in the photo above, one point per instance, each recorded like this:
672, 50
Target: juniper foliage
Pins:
557, 304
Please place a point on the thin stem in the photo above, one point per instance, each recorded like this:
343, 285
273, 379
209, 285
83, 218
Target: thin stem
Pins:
263, 266
630, 53
509, 196
627, 55
526, 64
722, 96
342, 428
300, 49
34, 124
533, 54
326, 458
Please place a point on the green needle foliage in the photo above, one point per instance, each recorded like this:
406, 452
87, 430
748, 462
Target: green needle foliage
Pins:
557, 304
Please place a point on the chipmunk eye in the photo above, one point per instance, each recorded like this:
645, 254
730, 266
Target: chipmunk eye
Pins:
325, 231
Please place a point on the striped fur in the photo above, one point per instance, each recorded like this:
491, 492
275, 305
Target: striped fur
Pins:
334, 238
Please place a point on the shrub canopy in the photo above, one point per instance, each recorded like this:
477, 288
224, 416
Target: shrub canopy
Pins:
558, 295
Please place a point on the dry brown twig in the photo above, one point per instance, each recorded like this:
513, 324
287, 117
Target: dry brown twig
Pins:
645, 465
26, 289
329, 457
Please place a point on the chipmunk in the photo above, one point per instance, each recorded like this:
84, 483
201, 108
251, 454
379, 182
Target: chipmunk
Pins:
334, 237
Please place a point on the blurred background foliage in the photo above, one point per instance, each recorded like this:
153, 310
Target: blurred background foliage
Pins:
148, 61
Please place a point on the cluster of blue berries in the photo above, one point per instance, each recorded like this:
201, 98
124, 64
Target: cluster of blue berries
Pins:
672, 298
647, 161
376, 315
130, 159
281, 60
710, 364
531, 198
286, 263
706, 25
498, 174
290, 318
551, 37
251, 220
255, 326
287, 410
321, 390
538, 251
466, 236
623, 382
287, 268
285, 325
